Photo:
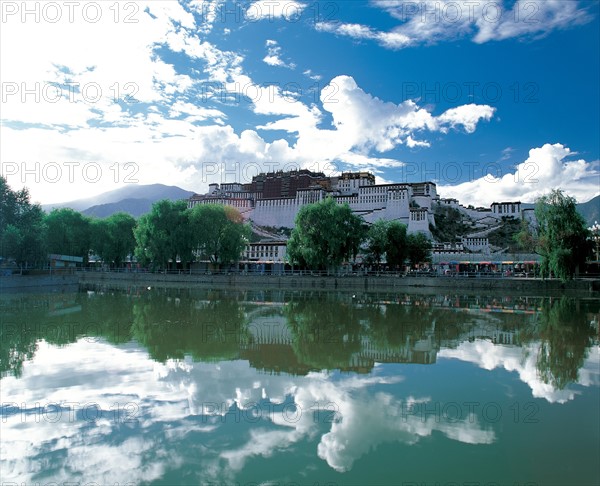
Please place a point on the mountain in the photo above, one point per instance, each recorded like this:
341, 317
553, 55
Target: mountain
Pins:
133, 199
590, 210
135, 207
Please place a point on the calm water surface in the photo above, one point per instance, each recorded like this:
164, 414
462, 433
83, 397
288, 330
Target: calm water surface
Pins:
177, 387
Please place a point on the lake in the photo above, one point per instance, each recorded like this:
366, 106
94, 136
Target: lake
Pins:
193, 386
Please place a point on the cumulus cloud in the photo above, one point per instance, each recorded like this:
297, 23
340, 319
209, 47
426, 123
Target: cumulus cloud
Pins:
146, 113
313, 76
547, 167
391, 40
273, 57
466, 116
171, 398
369, 122
432, 21
522, 360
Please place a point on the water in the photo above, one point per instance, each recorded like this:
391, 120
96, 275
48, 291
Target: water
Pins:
278, 388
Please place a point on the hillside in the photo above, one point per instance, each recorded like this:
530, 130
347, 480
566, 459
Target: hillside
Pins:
133, 199
134, 207
590, 210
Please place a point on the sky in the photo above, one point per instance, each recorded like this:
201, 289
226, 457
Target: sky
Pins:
491, 100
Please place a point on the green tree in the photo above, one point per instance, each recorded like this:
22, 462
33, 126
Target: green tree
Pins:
376, 241
565, 337
164, 234
562, 235
22, 228
113, 238
218, 232
525, 238
396, 249
69, 233
418, 248
325, 234
386, 239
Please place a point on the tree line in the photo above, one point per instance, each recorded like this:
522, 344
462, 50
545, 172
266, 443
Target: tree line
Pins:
325, 235
170, 231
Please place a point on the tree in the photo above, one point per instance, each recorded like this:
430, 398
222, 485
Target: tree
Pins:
325, 234
419, 248
219, 232
113, 238
22, 228
397, 248
566, 338
386, 239
525, 238
69, 233
562, 235
164, 234
377, 241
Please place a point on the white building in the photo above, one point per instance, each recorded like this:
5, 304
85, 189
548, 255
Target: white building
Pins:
512, 209
413, 204
265, 252
476, 244
410, 204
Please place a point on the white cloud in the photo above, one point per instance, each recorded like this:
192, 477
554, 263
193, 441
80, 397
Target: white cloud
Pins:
432, 21
209, 11
313, 76
411, 143
177, 144
391, 40
175, 123
523, 361
467, 115
273, 57
547, 167
171, 397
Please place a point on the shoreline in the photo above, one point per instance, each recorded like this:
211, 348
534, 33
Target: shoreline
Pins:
589, 287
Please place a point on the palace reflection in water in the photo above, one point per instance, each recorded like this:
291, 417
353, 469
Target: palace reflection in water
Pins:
253, 385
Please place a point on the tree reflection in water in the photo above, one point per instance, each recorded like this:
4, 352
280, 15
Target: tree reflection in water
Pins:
307, 330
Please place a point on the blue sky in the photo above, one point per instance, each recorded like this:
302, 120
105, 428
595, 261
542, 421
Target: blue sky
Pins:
493, 100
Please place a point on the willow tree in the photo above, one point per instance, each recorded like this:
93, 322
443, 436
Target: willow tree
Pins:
22, 228
325, 234
218, 232
562, 235
386, 239
113, 238
68, 232
163, 234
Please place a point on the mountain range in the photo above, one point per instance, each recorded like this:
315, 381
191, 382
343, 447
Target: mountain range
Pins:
138, 199
133, 199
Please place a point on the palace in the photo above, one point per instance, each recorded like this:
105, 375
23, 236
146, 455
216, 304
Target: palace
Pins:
274, 199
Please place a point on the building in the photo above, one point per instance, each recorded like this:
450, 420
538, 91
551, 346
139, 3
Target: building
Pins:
64, 261
274, 199
476, 244
512, 209
265, 252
